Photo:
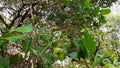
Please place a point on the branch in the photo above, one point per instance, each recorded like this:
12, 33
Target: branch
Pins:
19, 11
18, 15
23, 18
27, 11
22, 1
97, 47
3, 21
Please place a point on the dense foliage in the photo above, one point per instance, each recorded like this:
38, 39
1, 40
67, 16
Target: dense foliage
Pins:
39, 32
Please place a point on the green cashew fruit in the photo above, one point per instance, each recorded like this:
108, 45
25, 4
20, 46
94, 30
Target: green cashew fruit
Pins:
58, 53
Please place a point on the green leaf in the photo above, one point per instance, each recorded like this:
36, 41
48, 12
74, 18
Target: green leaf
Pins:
66, 2
60, 43
109, 66
51, 16
97, 10
105, 11
63, 17
15, 59
82, 51
1, 42
26, 44
102, 20
87, 4
97, 60
14, 38
73, 55
49, 57
76, 42
88, 42
39, 48
26, 28
4, 63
